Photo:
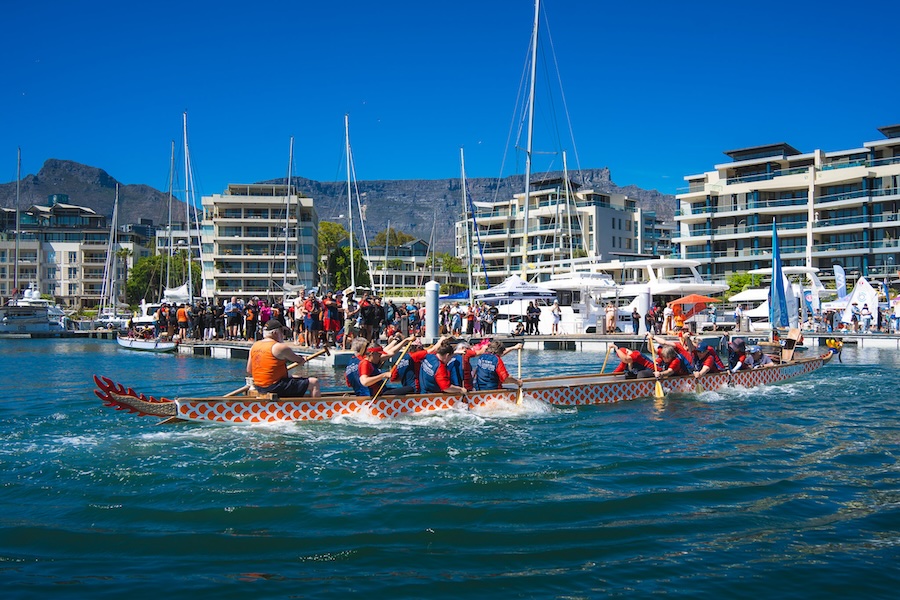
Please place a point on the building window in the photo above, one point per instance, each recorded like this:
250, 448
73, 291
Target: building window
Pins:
73, 272
73, 257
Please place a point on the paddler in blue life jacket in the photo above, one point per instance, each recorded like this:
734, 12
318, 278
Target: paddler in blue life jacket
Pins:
737, 355
406, 369
707, 360
363, 372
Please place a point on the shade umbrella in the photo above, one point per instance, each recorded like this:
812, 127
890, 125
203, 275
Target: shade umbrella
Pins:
694, 299
514, 288
698, 301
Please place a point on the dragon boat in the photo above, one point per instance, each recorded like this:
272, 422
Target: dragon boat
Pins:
575, 390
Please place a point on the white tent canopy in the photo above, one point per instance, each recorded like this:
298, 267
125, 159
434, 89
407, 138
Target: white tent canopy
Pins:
514, 288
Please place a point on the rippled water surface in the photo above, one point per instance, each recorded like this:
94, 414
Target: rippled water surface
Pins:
788, 491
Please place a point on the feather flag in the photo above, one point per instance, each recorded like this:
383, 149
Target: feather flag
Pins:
778, 311
840, 280
863, 293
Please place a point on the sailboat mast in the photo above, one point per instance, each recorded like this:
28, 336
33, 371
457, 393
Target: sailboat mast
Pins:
534, 43
568, 212
287, 211
387, 241
187, 201
107, 292
349, 203
18, 233
465, 215
171, 237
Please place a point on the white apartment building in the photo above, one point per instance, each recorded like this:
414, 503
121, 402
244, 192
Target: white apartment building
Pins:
257, 237
589, 224
62, 251
830, 207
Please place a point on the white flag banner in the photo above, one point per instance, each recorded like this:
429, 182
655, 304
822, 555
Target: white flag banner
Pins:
863, 293
840, 280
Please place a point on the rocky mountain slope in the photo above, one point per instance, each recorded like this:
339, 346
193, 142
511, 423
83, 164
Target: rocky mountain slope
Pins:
412, 206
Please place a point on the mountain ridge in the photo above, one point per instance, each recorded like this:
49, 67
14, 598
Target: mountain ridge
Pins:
414, 206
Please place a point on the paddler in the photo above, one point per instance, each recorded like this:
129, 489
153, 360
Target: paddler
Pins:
363, 372
267, 365
756, 358
488, 370
433, 375
708, 360
633, 364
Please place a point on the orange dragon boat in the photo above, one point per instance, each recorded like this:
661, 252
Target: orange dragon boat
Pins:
573, 390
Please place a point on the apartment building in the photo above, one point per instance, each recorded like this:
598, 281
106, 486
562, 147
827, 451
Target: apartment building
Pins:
406, 266
830, 207
63, 251
582, 223
256, 238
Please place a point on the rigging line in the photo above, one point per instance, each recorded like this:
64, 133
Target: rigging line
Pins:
519, 102
477, 237
362, 223
562, 94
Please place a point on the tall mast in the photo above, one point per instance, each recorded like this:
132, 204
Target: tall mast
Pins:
108, 291
349, 202
18, 233
534, 43
171, 237
568, 213
287, 211
187, 202
387, 241
465, 215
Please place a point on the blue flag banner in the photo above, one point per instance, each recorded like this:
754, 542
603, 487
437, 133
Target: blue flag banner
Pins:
840, 280
778, 312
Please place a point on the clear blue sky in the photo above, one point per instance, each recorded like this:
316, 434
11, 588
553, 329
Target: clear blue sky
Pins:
654, 90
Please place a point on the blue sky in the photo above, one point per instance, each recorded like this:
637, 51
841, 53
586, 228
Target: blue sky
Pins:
653, 90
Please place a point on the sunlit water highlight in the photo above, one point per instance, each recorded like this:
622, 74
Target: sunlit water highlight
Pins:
788, 491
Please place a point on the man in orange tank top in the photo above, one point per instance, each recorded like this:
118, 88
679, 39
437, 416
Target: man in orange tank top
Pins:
266, 365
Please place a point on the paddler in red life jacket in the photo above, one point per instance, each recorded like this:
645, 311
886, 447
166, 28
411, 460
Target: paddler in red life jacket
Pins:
708, 360
633, 364
266, 365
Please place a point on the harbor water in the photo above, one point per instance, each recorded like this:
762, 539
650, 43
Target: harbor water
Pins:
786, 491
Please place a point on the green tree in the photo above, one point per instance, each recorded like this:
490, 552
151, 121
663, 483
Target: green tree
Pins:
394, 237
149, 273
330, 237
738, 282
445, 261
338, 267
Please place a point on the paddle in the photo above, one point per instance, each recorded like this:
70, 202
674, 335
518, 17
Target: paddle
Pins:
243, 389
658, 391
384, 381
608, 351
519, 395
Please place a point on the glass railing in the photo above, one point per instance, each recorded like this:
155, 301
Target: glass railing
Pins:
840, 221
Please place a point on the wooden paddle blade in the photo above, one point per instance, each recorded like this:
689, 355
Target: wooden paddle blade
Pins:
658, 390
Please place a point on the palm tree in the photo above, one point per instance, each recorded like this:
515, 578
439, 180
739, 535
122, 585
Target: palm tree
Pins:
123, 254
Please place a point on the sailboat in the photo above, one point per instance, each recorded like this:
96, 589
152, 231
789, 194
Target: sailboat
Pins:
109, 316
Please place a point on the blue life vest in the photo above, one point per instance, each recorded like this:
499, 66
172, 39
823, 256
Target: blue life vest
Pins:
406, 371
484, 372
427, 371
352, 376
455, 369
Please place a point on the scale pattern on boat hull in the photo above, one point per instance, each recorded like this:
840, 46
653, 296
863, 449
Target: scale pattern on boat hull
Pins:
606, 391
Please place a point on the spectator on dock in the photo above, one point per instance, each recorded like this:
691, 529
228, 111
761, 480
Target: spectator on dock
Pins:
636, 320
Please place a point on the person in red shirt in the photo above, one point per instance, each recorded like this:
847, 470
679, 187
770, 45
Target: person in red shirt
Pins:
633, 364
434, 376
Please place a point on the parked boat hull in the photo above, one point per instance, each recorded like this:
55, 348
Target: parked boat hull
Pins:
146, 345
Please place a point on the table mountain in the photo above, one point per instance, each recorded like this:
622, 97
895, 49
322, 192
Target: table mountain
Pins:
412, 205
